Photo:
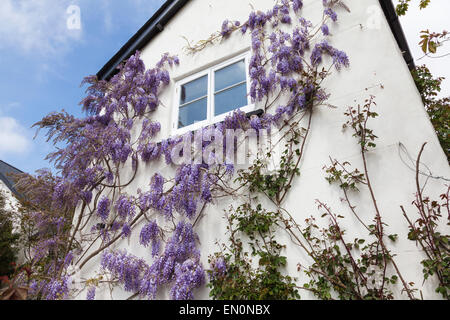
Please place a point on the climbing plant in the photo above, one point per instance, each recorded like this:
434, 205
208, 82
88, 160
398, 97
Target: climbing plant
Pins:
355, 269
425, 231
81, 214
430, 41
438, 108
403, 6
233, 274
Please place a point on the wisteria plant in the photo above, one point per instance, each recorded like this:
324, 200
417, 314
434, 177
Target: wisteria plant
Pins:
80, 215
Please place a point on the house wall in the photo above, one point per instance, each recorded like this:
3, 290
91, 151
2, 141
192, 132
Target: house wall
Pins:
12, 205
377, 68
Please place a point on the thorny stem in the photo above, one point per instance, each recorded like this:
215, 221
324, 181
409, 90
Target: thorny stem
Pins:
380, 233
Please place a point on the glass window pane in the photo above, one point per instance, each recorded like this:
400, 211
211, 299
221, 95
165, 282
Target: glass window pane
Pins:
192, 112
194, 89
230, 99
230, 75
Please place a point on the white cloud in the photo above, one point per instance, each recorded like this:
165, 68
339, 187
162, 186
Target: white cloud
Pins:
36, 26
13, 137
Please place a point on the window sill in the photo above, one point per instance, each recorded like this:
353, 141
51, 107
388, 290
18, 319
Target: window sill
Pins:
178, 132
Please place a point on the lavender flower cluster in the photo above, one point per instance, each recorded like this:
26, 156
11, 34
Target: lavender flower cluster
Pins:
100, 135
125, 267
218, 268
192, 185
150, 233
90, 295
53, 289
179, 264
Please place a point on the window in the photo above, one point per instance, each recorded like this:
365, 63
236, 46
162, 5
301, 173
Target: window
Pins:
193, 102
208, 96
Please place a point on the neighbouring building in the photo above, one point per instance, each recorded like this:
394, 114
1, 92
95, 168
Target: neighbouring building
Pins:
10, 194
6, 170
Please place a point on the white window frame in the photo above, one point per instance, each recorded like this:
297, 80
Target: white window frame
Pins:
210, 117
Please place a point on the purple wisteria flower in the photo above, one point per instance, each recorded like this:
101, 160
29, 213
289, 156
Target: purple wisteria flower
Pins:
86, 196
179, 264
125, 208
125, 267
150, 234
226, 30
340, 58
126, 230
189, 275
103, 208
68, 259
90, 295
56, 289
297, 5
218, 268
149, 151
229, 169
329, 12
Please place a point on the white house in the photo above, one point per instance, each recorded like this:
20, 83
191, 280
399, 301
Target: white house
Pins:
380, 60
10, 195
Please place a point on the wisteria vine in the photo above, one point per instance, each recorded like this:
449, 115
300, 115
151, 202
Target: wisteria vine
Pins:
86, 209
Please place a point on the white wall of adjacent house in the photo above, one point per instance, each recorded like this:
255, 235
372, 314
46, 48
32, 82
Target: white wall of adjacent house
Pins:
10, 201
11, 206
377, 68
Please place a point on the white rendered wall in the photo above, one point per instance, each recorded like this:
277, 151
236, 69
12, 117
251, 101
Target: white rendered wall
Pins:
12, 205
376, 65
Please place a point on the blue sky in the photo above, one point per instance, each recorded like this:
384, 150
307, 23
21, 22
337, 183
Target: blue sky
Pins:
42, 61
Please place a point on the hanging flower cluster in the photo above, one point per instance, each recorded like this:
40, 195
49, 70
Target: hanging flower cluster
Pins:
179, 263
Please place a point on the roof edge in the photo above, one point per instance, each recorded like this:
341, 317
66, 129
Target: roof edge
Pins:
146, 33
397, 31
11, 166
9, 183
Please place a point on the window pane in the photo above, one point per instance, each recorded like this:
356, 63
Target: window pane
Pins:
230, 75
192, 112
230, 99
194, 89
